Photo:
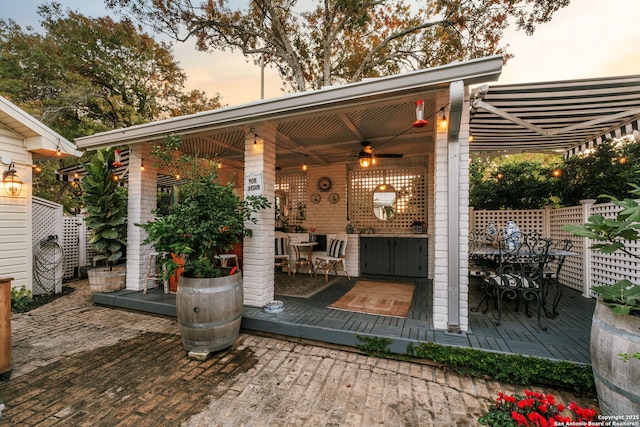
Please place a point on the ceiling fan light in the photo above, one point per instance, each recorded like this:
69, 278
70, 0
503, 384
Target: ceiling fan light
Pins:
364, 159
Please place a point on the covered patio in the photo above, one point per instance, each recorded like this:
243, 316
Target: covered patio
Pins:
268, 142
326, 132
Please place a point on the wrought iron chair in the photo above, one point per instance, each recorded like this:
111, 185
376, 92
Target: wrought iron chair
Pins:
335, 258
519, 274
281, 255
552, 276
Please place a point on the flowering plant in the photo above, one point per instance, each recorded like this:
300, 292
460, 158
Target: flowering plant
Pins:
312, 229
534, 409
417, 223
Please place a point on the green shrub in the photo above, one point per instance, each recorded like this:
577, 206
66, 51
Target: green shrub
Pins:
374, 346
509, 368
20, 299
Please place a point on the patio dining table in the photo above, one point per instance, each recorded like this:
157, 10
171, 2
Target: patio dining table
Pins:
490, 257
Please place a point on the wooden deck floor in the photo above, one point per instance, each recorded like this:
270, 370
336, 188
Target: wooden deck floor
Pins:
566, 337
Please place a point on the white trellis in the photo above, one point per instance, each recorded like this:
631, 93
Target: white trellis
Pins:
590, 268
48, 256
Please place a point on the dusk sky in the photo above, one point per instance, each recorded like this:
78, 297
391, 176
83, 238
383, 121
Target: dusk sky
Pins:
589, 38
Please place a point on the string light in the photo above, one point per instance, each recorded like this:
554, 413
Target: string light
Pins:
443, 120
304, 166
141, 164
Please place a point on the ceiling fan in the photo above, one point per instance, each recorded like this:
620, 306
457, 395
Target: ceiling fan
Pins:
367, 155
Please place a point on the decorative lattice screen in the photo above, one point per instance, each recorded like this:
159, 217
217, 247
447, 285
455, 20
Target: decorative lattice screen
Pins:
572, 270
48, 256
607, 269
529, 221
70, 244
411, 205
293, 212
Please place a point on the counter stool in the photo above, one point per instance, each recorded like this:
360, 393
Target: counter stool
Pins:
225, 258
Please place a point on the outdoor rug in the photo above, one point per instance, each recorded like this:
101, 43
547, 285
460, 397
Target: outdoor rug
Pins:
300, 286
381, 298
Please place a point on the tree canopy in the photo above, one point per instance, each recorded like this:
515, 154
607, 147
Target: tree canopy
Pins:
341, 41
527, 181
86, 75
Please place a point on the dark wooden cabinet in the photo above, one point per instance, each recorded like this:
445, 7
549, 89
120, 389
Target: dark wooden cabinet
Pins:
393, 256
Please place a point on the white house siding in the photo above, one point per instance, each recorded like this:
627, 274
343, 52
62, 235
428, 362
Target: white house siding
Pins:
15, 214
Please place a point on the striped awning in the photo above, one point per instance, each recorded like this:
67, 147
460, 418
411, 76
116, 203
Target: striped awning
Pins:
563, 117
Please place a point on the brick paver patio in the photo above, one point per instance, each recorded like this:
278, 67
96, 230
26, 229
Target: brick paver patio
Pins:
76, 364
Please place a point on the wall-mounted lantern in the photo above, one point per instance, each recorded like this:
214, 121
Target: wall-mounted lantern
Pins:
11, 182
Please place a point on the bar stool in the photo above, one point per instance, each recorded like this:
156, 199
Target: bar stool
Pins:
225, 258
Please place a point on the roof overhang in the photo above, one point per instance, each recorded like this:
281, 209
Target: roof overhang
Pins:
553, 116
40, 140
327, 101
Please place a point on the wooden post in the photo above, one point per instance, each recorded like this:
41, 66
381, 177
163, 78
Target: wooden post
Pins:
5, 326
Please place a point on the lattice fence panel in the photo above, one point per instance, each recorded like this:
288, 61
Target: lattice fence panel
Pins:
48, 256
607, 269
411, 205
295, 210
572, 270
71, 245
529, 221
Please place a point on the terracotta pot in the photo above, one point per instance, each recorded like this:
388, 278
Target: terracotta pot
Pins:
616, 381
175, 278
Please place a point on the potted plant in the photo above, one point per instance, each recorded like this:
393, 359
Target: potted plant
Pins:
418, 226
106, 206
615, 331
206, 222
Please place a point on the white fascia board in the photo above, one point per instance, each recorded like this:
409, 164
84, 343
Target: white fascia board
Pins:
471, 72
47, 137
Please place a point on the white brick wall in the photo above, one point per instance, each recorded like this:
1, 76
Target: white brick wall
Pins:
325, 216
441, 279
259, 250
142, 200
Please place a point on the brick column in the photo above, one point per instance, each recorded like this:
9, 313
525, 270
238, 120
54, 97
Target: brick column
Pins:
259, 250
143, 188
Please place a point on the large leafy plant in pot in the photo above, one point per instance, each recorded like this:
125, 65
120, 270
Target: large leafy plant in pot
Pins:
615, 331
106, 205
207, 221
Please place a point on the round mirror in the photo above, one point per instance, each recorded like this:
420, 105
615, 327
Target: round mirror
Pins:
384, 202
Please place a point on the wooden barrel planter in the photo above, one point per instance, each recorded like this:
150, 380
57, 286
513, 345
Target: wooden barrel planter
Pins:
616, 381
209, 312
107, 280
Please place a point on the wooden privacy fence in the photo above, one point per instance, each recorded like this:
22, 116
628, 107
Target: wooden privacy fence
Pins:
590, 268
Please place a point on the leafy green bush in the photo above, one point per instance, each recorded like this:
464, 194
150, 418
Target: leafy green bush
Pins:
374, 346
508, 368
20, 299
